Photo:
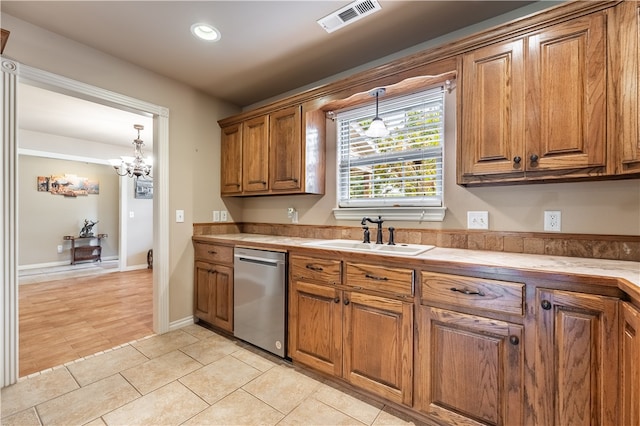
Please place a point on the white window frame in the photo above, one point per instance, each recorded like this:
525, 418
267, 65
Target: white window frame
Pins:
429, 208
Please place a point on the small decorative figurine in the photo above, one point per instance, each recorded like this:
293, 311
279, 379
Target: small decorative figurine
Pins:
86, 229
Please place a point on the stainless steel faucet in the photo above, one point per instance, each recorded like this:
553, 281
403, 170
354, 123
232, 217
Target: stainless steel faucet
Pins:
379, 222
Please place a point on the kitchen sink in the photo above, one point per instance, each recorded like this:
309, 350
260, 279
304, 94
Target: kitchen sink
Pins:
350, 245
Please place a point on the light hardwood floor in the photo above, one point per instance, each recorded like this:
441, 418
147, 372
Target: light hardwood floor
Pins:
64, 320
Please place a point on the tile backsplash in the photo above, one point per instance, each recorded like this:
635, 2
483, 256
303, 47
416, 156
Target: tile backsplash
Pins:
614, 247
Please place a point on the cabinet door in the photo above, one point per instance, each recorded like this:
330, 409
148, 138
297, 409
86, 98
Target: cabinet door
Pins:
469, 369
378, 346
577, 359
492, 136
214, 294
285, 150
231, 160
630, 365
566, 97
255, 154
315, 327
625, 57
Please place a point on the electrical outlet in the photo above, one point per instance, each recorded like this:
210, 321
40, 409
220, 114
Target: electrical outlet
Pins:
216, 215
59, 249
552, 220
179, 216
223, 216
477, 220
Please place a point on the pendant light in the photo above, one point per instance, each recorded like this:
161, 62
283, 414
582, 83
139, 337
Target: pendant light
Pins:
377, 129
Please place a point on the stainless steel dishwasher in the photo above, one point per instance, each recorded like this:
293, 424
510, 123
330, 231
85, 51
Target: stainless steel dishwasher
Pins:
259, 296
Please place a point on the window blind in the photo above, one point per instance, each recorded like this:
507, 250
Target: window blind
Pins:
401, 169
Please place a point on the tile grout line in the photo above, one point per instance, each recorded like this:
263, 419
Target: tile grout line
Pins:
66, 364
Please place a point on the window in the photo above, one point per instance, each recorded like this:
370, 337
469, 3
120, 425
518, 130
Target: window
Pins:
404, 169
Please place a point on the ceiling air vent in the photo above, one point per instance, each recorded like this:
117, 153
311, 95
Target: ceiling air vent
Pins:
348, 14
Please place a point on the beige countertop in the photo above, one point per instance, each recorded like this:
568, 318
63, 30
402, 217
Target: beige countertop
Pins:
628, 273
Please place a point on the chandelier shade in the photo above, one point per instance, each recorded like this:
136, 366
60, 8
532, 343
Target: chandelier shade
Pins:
138, 165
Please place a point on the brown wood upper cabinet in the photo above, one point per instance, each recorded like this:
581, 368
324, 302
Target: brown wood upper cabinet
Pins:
624, 62
280, 152
535, 108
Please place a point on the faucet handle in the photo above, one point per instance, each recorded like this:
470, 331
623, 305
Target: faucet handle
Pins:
367, 235
391, 241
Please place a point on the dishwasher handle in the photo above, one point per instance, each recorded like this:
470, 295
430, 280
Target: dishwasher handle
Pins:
259, 261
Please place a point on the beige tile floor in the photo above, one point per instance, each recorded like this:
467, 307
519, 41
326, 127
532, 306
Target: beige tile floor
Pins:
190, 376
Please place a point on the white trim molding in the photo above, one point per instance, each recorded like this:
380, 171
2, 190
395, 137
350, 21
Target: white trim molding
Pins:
11, 73
9, 229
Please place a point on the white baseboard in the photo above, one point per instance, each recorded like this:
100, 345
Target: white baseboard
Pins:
135, 267
174, 325
62, 263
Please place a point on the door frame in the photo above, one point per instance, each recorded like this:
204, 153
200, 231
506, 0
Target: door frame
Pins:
12, 73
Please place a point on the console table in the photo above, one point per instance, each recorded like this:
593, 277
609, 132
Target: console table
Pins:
85, 251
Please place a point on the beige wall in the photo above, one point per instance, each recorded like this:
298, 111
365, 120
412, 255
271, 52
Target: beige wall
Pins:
194, 135
611, 207
45, 218
139, 228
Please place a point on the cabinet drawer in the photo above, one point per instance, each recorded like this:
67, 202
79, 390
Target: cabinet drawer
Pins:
394, 281
478, 293
213, 253
313, 269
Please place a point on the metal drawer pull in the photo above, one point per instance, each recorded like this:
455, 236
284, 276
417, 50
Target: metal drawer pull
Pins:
212, 252
466, 291
336, 300
314, 268
373, 277
514, 340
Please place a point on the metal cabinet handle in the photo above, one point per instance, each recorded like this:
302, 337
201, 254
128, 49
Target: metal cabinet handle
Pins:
467, 291
314, 267
336, 300
212, 252
546, 305
534, 158
346, 301
517, 159
373, 277
514, 340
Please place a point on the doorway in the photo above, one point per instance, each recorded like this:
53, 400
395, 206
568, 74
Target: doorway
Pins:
13, 73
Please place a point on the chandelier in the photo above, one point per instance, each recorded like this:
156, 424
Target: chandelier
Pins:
137, 165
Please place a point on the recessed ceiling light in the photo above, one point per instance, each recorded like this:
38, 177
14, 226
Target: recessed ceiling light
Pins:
205, 32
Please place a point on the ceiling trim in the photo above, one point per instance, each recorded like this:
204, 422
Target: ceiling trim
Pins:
59, 156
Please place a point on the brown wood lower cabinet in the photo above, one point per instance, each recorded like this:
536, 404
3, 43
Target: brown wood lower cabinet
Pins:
315, 327
629, 364
469, 369
378, 345
214, 294
365, 339
576, 363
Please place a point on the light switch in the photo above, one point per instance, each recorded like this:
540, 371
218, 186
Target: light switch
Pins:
179, 215
132, 215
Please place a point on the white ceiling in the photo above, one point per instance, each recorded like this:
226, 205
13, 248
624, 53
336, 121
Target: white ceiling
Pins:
267, 47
